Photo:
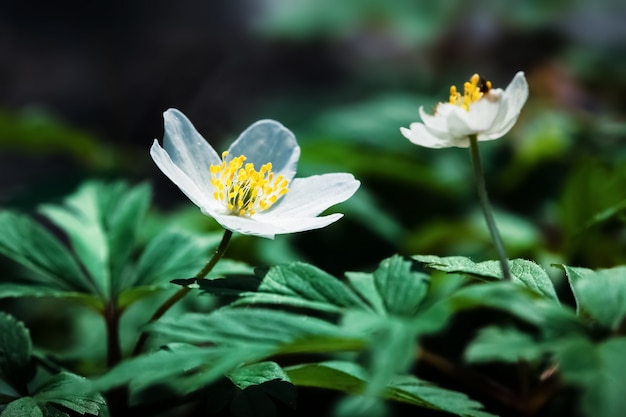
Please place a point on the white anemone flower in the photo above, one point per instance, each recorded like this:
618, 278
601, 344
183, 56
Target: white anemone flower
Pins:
251, 188
482, 111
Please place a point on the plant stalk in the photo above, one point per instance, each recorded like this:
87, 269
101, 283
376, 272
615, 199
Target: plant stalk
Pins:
112, 322
217, 255
479, 177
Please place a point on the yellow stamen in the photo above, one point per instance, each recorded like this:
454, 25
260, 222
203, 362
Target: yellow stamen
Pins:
473, 90
243, 190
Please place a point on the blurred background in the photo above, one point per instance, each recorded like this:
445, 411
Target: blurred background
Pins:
83, 86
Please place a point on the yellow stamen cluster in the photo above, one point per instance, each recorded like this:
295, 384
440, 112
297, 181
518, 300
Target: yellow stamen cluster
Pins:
243, 190
473, 90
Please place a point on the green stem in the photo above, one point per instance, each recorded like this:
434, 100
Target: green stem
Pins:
112, 321
217, 255
486, 206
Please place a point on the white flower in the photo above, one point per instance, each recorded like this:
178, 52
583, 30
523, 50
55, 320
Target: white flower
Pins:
482, 111
250, 189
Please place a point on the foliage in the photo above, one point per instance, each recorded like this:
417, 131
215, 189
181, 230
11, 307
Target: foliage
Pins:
361, 334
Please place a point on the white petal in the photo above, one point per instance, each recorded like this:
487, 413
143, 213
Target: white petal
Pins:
188, 150
483, 113
496, 134
308, 197
419, 135
459, 127
244, 225
516, 94
200, 197
436, 121
295, 225
268, 141
499, 120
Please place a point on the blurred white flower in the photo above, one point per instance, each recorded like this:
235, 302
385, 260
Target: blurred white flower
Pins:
482, 111
251, 188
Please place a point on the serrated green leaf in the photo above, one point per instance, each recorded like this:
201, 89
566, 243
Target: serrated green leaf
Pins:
231, 285
101, 221
303, 285
250, 326
523, 271
23, 407
50, 410
80, 218
16, 366
72, 392
173, 254
519, 301
125, 209
599, 370
393, 348
600, 294
28, 243
11, 290
155, 367
402, 289
364, 285
507, 345
352, 378
256, 374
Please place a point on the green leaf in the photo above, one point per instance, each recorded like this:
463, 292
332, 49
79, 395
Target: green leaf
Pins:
101, 221
393, 348
169, 364
72, 392
599, 370
351, 378
507, 345
173, 254
16, 366
232, 285
519, 301
524, 272
600, 294
11, 290
23, 407
303, 285
28, 243
254, 326
364, 285
255, 388
401, 288
256, 374
233, 337
393, 288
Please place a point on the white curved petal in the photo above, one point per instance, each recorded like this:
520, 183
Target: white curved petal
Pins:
244, 225
308, 197
435, 121
499, 120
199, 196
459, 124
187, 149
268, 141
295, 225
419, 135
516, 94
496, 134
483, 113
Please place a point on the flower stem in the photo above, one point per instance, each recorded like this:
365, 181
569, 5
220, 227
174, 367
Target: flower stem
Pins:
486, 207
217, 255
112, 321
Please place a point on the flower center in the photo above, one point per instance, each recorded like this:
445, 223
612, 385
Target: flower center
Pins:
243, 190
473, 90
